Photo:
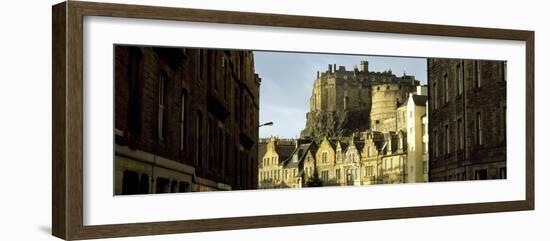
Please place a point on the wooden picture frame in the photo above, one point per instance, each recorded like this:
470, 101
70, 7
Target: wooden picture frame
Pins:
67, 150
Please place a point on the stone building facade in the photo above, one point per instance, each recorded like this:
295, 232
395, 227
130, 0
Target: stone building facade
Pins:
413, 111
371, 157
467, 119
185, 120
272, 162
362, 126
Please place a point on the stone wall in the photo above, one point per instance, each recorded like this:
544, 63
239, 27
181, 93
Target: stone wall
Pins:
468, 104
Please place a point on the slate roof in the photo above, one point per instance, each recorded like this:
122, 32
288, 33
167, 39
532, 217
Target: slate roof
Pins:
344, 145
419, 100
300, 153
359, 145
332, 144
285, 151
262, 148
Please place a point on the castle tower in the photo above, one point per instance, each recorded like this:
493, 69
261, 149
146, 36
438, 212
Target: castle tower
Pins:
386, 97
365, 66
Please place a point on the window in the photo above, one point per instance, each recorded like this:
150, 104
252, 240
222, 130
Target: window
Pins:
210, 132
502, 173
459, 78
460, 133
134, 112
221, 150
504, 72
477, 73
425, 167
201, 64
324, 157
324, 176
436, 146
410, 114
161, 107
163, 185
481, 174
370, 171
337, 174
198, 137
182, 120
479, 134
225, 76
424, 147
368, 151
435, 96
174, 186
447, 139
130, 183
446, 82
144, 184
503, 120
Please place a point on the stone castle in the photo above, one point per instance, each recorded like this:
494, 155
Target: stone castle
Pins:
345, 101
362, 128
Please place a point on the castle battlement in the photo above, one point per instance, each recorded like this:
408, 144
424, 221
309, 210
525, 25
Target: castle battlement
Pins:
339, 94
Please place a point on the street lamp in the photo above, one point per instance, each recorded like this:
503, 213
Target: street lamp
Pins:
266, 124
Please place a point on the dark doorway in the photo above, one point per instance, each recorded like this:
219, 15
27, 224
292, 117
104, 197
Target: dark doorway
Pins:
130, 183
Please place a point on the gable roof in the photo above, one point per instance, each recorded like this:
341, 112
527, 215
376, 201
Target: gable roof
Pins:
285, 151
359, 145
343, 145
419, 100
300, 153
262, 148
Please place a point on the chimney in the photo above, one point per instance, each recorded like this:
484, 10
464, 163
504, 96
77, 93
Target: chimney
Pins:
330, 68
317, 74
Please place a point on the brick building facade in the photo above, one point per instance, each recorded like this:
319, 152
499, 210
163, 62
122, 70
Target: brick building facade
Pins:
467, 123
185, 120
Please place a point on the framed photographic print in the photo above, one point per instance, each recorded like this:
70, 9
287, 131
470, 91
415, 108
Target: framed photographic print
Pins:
171, 120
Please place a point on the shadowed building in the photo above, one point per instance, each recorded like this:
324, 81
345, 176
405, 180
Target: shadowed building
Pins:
185, 120
467, 119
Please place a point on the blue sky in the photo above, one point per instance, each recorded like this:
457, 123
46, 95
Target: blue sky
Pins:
287, 81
